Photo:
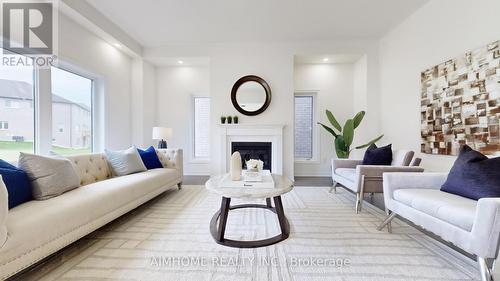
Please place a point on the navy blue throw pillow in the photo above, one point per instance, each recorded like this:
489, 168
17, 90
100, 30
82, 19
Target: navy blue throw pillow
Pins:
17, 183
378, 155
473, 175
150, 158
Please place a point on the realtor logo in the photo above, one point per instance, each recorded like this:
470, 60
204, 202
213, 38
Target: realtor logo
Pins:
27, 27
29, 33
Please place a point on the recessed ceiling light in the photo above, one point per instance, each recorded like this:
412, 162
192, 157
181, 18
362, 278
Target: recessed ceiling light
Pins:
117, 45
180, 62
325, 59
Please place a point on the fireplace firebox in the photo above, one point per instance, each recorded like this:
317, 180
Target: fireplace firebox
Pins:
254, 150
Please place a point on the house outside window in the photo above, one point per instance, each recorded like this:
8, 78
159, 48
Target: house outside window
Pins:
17, 118
71, 112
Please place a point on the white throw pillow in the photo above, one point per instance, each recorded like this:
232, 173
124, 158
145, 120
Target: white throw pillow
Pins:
49, 176
125, 162
4, 210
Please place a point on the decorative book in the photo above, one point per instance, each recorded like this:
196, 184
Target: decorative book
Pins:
250, 176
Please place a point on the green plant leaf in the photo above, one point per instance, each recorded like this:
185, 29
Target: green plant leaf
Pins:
369, 143
358, 118
329, 130
348, 133
333, 121
340, 148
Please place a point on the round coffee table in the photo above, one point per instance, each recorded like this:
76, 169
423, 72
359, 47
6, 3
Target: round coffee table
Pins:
282, 185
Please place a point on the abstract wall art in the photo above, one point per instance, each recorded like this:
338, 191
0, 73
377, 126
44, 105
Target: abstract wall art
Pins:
460, 103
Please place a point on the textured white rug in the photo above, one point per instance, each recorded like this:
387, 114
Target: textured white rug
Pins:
168, 239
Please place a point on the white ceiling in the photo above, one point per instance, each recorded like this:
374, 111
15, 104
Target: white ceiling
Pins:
155, 23
180, 61
326, 58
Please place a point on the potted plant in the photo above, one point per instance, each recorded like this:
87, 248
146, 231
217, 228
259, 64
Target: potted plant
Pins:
229, 119
345, 136
235, 119
223, 119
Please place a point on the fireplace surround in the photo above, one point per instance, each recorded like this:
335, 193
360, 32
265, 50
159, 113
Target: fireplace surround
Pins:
272, 134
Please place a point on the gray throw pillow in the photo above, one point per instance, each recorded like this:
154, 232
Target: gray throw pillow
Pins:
49, 176
125, 162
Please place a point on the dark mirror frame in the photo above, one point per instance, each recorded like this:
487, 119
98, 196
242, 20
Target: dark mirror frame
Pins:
250, 78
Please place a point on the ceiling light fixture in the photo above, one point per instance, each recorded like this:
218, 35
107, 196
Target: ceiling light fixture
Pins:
325, 60
117, 45
180, 62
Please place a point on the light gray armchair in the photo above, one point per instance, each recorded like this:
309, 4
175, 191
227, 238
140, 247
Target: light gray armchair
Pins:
362, 179
471, 225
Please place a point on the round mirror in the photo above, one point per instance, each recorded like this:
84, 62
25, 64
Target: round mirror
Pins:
251, 95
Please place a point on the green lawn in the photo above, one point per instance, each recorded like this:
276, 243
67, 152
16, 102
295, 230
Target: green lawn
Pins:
9, 150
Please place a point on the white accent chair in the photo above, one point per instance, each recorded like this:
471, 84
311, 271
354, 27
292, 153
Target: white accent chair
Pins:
362, 179
471, 225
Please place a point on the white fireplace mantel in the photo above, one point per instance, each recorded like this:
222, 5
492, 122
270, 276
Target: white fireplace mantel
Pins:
252, 133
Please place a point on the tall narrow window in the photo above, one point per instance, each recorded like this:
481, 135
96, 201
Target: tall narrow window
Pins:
71, 112
304, 119
201, 127
17, 117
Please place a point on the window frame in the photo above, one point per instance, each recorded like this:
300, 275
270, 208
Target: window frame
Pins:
315, 132
192, 156
41, 105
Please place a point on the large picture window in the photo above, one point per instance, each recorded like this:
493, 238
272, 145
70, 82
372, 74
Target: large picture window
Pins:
17, 116
71, 112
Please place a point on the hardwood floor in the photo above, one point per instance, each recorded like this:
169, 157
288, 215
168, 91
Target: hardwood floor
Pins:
313, 181
195, 180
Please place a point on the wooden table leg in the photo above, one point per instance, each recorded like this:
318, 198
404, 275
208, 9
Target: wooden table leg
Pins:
219, 220
268, 203
224, 210
285, 228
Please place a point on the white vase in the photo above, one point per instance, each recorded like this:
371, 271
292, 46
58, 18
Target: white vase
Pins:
235, 166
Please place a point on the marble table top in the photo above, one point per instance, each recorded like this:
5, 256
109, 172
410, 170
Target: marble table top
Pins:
281, 185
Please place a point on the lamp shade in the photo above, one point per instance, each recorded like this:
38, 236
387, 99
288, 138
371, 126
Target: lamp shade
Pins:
162, 133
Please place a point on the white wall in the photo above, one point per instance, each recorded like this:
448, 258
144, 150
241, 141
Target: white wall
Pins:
229, 63
86, 51
143, 102
439, 31
275, 63
364, 133
335, 91
176, 86
149, 103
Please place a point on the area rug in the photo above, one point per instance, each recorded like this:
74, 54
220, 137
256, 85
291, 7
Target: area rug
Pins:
168, 239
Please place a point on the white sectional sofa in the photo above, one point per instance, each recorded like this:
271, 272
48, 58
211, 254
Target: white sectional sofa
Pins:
37, 229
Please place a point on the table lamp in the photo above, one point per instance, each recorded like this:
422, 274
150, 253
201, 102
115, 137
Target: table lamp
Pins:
162, 134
